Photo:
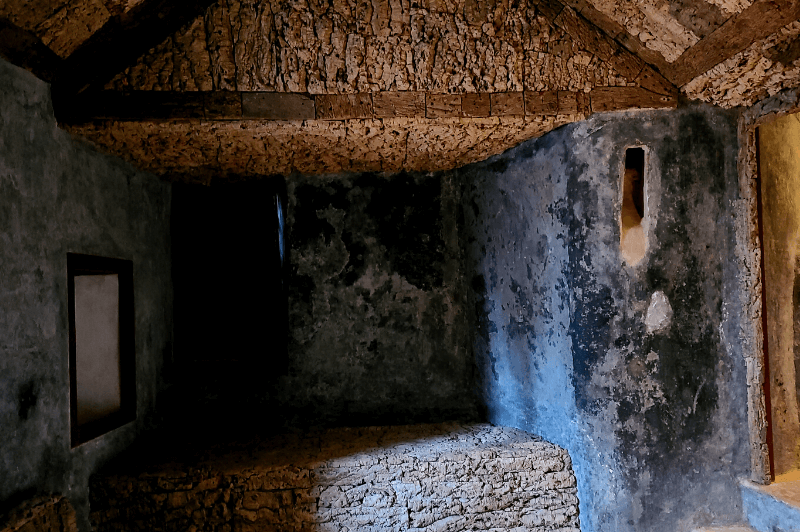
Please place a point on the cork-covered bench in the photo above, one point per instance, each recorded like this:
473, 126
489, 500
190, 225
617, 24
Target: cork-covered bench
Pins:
422, 477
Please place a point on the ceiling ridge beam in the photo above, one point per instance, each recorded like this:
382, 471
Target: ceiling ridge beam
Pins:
122, 40
26, 50
758, 21
609, 42
256, 105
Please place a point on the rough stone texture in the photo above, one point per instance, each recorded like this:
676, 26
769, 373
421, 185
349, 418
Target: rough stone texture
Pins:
750, 75
428, 477
655, 423
198, 151
59, 196
42, 514
376, 301
344, 46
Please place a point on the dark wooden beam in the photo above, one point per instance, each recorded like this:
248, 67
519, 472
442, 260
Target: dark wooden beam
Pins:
26, 50
609, 41
122, 40
195, 105
761, 19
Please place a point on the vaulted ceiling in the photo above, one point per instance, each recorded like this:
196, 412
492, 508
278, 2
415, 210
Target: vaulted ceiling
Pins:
196, 89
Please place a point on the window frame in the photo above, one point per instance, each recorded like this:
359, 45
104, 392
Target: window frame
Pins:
79, 265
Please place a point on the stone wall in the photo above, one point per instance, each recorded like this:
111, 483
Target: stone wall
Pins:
42, 514
58, 195
567, 344
428, 477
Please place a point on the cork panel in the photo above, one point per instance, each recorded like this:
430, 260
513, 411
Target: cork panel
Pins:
201, 150
651, 23
355, 47
277, 106
342, 106
476, 105
562, 65
508, 104
541, 103
748, 76
442, 105
591, 37
349, 48
70, 26
398, 104
620, 98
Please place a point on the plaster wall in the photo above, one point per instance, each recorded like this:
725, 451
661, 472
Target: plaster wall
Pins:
654, 417
58, 195
376, 301
779, 142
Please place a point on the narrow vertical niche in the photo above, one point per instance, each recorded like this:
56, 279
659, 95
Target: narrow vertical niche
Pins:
633, 241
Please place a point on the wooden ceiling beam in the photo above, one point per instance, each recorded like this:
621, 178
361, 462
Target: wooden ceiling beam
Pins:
24, 49
122, 40
758, 21
225, 105
602, 37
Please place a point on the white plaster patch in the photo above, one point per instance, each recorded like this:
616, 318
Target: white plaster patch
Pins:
659, 313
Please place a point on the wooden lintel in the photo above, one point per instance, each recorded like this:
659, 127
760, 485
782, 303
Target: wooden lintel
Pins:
761, 19
623, 98
343, 106
223, 105
26, 50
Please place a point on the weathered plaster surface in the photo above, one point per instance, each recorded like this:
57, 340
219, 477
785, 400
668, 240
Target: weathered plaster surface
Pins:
202, 150
655, 422
376, 301
750, 75
59, 196
345, 46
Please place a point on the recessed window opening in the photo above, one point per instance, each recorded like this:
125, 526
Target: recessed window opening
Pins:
633, 240
102, 368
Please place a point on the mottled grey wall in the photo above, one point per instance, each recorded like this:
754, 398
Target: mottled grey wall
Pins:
656, 422
58, 196
376, 301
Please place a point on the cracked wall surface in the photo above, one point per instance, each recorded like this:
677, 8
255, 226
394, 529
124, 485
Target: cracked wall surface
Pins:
654, 420
425, 477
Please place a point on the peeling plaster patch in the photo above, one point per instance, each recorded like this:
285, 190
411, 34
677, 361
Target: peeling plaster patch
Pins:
659, 313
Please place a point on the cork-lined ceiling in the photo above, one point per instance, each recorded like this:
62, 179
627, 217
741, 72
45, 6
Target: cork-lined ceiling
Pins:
195, 89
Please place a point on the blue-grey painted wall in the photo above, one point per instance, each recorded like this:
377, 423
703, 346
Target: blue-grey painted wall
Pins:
656, 422
58, 195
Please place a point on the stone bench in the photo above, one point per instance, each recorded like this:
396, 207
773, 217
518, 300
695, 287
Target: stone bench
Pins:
439, 477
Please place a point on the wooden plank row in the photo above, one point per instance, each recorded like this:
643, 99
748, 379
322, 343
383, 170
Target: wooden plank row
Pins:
195, 105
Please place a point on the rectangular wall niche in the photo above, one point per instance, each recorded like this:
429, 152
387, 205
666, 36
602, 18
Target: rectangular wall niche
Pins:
101, 348
633, 239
